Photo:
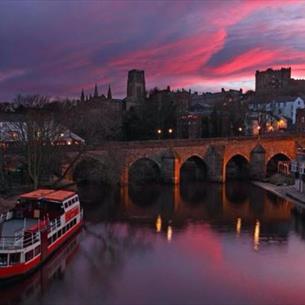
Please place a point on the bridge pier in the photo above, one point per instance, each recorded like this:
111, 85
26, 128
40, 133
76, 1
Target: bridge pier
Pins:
171, 169
257, 163
215, 161
124, 176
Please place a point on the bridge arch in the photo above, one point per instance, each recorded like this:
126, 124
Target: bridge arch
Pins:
194, 168
90, 170
237, 167
144, 170
272, 162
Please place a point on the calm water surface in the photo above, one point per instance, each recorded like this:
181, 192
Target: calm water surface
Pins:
194, 244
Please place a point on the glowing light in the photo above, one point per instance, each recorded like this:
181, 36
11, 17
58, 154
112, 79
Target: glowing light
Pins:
170, 130
169, 233
158, 224
281, 123
69, 142
159, 131
238, 226
256, 235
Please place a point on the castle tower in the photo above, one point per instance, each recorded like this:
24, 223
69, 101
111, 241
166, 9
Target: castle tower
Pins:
136, 91
272, 81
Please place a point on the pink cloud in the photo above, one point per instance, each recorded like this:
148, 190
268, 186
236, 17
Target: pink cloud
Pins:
179, 59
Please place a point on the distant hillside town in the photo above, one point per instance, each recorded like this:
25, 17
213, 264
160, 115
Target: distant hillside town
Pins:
276, 106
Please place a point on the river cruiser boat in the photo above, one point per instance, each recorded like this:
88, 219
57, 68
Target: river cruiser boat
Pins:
36, 227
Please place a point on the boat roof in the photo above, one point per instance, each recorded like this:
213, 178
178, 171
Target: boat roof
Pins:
48, 194
60, 195
37, 194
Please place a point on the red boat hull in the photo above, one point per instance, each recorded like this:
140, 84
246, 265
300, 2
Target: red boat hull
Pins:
20, 270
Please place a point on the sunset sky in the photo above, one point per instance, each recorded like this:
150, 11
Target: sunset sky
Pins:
56, 48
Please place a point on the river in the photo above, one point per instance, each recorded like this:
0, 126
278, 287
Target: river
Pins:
199, 243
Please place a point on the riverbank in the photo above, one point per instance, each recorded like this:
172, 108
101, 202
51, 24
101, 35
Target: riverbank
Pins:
287, 192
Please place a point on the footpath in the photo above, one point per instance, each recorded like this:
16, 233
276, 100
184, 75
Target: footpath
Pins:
287, 192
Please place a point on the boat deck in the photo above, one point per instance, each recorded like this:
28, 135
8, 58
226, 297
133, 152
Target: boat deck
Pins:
14, 226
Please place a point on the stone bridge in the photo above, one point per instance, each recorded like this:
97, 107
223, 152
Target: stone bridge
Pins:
169, 156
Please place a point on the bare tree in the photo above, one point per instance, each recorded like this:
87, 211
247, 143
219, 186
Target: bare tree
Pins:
36, 134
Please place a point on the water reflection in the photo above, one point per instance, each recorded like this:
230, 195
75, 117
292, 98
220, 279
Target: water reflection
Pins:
163, 244
256, 235
235, 207
30, 289
238, 226
158, 224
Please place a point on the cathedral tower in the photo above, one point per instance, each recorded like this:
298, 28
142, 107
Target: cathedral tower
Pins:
136, 91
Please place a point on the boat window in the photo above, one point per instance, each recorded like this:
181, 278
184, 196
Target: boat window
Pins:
37, 251
3, 259
14, 258
29, 255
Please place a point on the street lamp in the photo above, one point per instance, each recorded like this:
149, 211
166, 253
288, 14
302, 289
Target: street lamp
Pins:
258, 131
159, 132
170, 132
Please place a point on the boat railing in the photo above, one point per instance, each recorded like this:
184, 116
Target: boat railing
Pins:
6, 216
19, 241
54, 224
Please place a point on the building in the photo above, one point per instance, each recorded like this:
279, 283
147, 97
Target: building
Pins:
216, 98
181, 99
271, 82
264, 122
298, 171
300, 121
136, 90
189, 126
67, 137
281, 107
14, 130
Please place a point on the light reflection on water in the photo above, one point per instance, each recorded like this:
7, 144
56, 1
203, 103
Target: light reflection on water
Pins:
197, 244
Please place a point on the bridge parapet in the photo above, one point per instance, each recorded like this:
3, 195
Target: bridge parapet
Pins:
170, 155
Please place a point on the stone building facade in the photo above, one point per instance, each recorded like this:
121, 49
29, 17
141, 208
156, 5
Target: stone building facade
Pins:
136, 90
277, 82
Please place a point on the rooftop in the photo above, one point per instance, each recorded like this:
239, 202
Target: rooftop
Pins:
37, 194
48, 194
59, 195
